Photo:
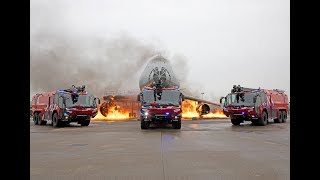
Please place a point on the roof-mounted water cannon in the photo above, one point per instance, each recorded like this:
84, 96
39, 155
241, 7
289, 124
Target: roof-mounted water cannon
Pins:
278, 90
75, 89
74, 92
236, 88
240, 89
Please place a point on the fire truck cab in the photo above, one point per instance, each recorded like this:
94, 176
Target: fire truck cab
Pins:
62, 107
160, 105
255, 105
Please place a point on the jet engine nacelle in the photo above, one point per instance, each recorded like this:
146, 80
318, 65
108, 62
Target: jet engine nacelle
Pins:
203, 109
107, 102
158, 68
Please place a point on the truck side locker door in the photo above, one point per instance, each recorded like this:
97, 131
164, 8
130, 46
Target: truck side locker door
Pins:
258, 104
47, 109
37, 102
272, 109
50, 107
268, 105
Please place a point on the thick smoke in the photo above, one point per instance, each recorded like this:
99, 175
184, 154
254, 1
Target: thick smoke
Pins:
181, 68
58, 61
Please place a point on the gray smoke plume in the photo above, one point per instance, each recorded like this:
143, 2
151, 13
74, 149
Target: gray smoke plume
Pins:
58, 61
181, 68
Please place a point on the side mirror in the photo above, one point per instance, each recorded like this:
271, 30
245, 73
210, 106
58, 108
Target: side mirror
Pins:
138, 97
63, 101
255, 99
98, 100
221, 99
182, 97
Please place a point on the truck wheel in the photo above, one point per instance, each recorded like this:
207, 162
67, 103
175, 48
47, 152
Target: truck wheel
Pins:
279, 119
35, 118
85, 123
40, 121
284, 116
263, 120
39, 118
55, 120
176, 124
144, 124
235, 122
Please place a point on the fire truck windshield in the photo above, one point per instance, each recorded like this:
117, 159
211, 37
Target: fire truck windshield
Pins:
83, 100
248, 99
168, 97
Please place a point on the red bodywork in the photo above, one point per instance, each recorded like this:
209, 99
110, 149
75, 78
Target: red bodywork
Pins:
157, 113
45, 105
274, 103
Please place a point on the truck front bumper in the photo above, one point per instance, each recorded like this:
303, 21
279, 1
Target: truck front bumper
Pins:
243, 117
161, 118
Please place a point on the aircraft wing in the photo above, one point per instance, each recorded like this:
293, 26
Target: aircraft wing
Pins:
200, 100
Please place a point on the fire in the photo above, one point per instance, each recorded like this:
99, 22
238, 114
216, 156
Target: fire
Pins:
217, 114
113, 114
189, 109
126, 111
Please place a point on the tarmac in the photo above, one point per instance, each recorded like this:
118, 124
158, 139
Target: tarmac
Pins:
201, 149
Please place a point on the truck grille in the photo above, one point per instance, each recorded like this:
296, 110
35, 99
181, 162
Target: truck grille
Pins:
82, 116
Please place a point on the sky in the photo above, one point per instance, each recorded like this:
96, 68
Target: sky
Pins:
212, 44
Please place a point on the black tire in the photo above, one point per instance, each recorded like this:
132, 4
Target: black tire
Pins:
39, 118
176, 124
144, 124
235, 122
263, 120
55, 120
35, 118
85, 123
284, 116
40, 121
279, 119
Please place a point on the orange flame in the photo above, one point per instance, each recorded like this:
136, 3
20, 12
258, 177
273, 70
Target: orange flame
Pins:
217, 114
113, 114
189, 109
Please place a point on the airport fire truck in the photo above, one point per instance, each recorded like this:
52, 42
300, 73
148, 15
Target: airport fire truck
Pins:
60, 107
255, 105
160, 105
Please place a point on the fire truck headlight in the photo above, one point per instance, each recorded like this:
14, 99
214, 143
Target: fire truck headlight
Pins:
176, 110
94, 113
146, 113
67, 113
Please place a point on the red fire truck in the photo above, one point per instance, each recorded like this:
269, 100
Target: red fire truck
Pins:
60, 107
160, 105
255, 105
